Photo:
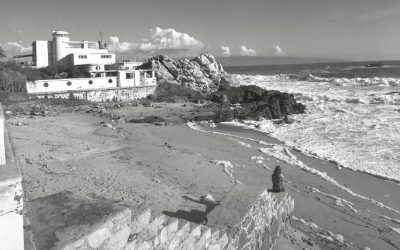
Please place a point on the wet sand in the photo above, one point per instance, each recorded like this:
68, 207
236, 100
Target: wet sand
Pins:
167, 168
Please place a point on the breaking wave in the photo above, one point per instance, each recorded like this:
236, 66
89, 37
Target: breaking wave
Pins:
354, 90
357, 126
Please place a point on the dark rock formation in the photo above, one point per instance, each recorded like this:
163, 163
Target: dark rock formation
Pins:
203, 79
182, 77
251, 102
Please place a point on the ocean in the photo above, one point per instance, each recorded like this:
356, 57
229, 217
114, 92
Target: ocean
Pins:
353, 112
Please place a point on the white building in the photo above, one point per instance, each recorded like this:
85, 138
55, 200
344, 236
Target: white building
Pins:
111, 80
128, 64
94, 56
61, 51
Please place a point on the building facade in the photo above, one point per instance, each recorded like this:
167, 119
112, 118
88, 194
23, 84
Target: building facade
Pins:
61, 51
110, 80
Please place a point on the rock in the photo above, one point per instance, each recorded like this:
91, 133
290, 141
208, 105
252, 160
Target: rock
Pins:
156, 180
153, 119
159, 123
209, 199
287, 120
202, 74
255, 103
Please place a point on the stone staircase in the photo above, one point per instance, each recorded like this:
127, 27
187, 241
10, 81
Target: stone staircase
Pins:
164, 232
67, 221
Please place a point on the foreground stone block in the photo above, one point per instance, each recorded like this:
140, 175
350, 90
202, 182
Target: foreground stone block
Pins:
141, 221
67, 221
11, 219
118, 240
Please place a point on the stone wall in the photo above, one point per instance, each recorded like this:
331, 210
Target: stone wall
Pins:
111, 235
103, 95
262, 225
116, 228
259, 229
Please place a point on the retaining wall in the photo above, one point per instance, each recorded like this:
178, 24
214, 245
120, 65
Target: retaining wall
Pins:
103, 95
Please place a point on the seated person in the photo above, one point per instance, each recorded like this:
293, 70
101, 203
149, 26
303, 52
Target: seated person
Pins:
277, 180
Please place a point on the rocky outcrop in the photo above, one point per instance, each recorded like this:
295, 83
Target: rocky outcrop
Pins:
250, 102
181, 77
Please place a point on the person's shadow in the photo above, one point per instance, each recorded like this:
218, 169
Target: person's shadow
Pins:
196, 216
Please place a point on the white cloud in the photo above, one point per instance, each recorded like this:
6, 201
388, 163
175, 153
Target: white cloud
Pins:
277, 50
160, 40
14, 48
244, 51
169, 39
117, 46
225, 51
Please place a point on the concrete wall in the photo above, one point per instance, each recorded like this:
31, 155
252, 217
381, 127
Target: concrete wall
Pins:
11, 218
11, 196
42, 53
137, 78
2, 144
60, 85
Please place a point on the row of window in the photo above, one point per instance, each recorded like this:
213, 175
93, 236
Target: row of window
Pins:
69, 83
85, 56
146, 74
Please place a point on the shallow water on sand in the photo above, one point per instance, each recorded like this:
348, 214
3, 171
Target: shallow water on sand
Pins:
329, 201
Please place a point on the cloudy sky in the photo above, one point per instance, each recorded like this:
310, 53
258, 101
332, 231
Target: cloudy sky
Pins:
347, 29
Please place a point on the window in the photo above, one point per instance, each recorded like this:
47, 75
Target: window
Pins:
46, 84
82, 56
129, 75
98, 67
105, 56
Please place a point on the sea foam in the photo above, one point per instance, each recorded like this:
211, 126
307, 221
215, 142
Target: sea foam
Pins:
356, 125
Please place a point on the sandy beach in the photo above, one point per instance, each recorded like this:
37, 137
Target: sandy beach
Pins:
169, 167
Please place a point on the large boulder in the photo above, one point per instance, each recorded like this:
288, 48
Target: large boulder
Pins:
201, 74
250, 102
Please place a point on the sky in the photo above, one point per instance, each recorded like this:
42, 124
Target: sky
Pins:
343, 29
